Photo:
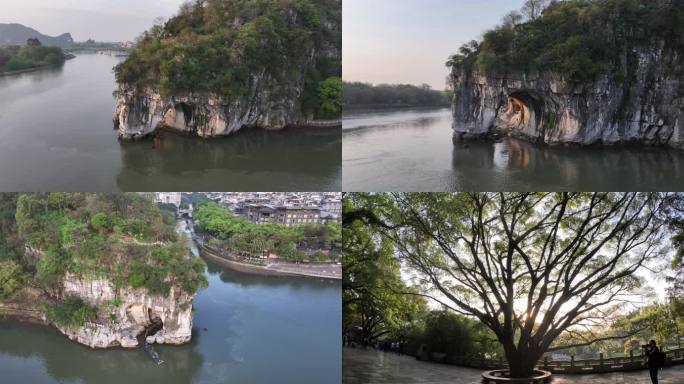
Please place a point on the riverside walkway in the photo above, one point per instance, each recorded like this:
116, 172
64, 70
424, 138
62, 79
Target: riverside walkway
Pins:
374, 367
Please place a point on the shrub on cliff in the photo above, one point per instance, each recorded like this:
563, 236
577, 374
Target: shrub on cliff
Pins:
11, 278
579, 39
71, 312
221, 47
10, 245
100, 221
330, 96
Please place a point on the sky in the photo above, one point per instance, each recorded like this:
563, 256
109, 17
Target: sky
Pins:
408, 41
101, 20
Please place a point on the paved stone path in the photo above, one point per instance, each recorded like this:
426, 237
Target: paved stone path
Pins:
373, 367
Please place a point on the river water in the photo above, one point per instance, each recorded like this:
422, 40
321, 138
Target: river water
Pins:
412, 150
56, 134
259, 330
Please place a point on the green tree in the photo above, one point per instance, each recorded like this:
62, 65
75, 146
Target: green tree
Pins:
10, 244
11, 278
100, 222
374, 298
33, 43
529, 266
330, 94
391, 95
579, 40
458, 336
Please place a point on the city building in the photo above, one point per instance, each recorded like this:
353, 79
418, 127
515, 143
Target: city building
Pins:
333, 206
168, 198
269, 214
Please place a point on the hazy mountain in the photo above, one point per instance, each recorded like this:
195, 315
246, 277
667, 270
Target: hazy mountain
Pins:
17, 34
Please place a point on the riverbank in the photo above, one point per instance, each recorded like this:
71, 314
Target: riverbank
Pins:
24, 315
391, 107
265, 267
67, 56
274, 268
388, 118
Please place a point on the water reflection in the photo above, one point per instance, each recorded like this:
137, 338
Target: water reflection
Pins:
63, 360
418, 155
36, 76
250, 160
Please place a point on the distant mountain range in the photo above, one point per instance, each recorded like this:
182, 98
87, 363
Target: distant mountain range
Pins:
17, 34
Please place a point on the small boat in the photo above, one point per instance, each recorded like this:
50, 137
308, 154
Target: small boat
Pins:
153, 354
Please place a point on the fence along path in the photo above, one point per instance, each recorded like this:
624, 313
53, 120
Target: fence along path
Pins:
600, 365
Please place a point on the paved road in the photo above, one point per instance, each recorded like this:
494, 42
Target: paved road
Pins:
373, 367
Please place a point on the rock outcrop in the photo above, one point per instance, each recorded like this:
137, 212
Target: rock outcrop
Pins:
139, 112
220, 70
646, 109
124, 314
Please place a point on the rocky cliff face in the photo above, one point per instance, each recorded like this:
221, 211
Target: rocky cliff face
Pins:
140, 112
124, 314
646, 109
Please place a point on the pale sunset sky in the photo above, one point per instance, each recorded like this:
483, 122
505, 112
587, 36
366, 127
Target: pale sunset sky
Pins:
102, 20
408, 41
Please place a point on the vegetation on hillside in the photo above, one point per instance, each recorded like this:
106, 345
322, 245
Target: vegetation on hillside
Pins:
11, 278
33, 55
292, 243
121, 237
388, 95
578, 39
71, 312
222, 47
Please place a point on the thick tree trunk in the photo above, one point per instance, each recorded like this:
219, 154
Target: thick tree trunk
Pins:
522, 363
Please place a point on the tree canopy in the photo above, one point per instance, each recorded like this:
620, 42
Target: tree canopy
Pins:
392, 95
243, 237
530, 266
16, 58
375, 303
578, 39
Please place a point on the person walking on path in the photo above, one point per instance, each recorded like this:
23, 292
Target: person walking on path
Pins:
652, 351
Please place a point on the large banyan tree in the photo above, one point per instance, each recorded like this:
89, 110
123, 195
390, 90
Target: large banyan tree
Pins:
530, 266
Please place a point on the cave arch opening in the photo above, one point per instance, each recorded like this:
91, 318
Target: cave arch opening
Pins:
524, 111
155, 324
187, 112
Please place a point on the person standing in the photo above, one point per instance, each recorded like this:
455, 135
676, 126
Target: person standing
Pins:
652, 351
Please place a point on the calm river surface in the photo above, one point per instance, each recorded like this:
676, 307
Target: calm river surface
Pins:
56, 134
260, 330
412, 150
